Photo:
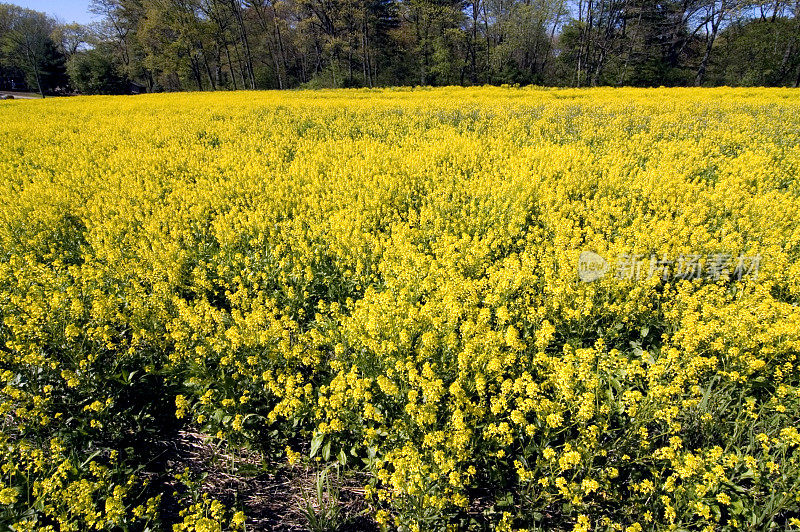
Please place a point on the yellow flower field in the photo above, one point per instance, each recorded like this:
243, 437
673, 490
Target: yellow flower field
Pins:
388, 281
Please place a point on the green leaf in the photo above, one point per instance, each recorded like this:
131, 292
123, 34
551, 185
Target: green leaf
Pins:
316, 442
91, 456
326, 451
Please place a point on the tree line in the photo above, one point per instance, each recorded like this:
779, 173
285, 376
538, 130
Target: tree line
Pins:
173, 45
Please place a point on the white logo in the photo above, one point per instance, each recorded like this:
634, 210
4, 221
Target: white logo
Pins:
591, 266
715, 266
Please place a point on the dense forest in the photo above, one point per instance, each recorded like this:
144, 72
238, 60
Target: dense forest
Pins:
173, 45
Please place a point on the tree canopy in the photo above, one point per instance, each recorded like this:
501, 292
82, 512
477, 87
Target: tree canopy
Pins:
257, 44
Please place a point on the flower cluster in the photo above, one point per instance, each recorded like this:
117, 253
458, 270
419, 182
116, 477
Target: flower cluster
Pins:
387, 279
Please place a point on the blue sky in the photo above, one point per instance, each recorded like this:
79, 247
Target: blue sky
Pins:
66, 10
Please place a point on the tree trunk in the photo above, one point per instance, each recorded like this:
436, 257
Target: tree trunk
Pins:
194, 63
716, 18
230, 66
280, 40
549, 46
581, 37
237, 11
241, 65
272, 31
474, 43
350, 64
208, 67
599, 68
275, 62
365, 51
634, 36
701, 71
35, 65
488, 46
